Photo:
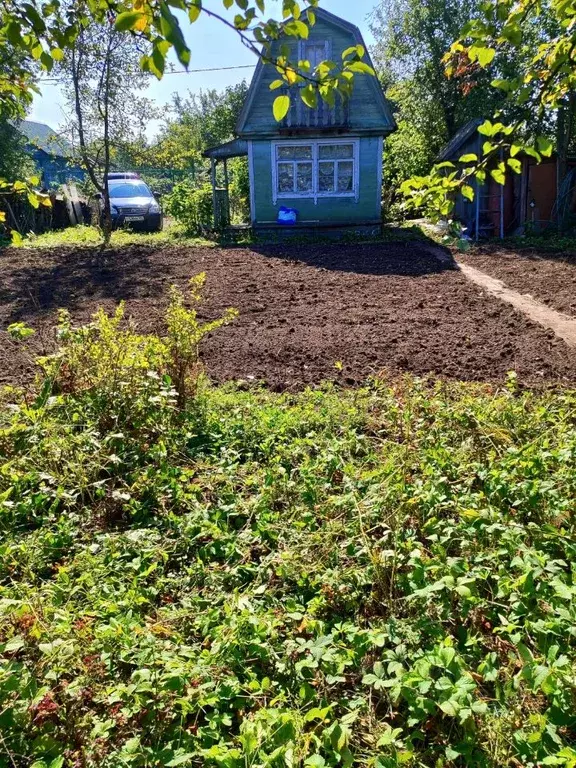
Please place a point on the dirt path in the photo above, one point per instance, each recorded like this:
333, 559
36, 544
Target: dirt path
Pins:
549, 278
563, 325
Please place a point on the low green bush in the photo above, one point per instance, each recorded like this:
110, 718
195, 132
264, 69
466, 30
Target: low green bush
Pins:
191, 206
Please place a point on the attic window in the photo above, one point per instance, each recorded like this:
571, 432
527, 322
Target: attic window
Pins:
314, 51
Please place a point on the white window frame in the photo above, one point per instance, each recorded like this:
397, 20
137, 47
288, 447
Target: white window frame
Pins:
314, 194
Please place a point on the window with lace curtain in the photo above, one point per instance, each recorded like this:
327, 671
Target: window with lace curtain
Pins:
315, 169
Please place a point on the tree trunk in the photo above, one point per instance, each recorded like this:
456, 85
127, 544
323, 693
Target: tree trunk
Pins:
564, 127
107, 223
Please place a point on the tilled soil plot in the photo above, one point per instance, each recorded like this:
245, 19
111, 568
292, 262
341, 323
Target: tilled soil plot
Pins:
307, 312
548, 279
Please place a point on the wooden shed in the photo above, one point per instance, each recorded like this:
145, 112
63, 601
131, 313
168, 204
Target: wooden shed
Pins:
532, 199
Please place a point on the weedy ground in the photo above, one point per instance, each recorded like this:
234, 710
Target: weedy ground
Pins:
175, 234
374, 577
84, 235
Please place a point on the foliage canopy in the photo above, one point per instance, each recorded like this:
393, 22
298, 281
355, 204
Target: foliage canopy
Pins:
542, 39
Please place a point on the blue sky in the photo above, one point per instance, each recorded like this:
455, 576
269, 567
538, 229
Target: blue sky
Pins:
212, 45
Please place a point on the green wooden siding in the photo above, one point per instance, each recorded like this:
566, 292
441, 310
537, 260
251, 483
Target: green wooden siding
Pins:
344, 210
366, 114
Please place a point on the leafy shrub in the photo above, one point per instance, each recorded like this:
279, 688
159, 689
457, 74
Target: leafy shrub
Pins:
192, 207
377, 578
239, 190
127, 375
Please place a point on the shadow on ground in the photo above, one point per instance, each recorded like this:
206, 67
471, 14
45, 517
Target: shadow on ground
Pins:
68, 277
410, 259
35, 282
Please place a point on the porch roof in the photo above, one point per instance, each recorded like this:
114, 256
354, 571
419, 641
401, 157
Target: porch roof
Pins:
234, 148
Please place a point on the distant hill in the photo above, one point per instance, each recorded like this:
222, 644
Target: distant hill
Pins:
45, 138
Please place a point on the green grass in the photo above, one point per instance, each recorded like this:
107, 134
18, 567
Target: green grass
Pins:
174, 234
89, 236
377, 577
547, 242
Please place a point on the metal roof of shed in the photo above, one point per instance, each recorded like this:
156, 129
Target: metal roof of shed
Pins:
459, 138
45, 138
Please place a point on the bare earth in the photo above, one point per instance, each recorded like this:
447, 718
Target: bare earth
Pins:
550, 279
303, 309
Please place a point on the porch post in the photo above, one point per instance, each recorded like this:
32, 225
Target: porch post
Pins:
213, 175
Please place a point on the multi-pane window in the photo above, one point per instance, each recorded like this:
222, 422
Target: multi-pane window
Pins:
336, 168
315, 169
294, 169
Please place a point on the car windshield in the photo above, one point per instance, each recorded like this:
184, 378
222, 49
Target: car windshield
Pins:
137, 189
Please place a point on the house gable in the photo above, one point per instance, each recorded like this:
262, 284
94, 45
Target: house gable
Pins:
369, 112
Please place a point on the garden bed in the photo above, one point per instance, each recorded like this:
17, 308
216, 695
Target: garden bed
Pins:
308, 312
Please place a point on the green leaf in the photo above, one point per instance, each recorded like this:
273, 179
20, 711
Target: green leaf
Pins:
533, 153
280, 107
544, 146
487, 128
482, 54
13, 33
17, 642
309, 96
127, 20
170, 28
512, 32
503, 85
450, 707
498, 175
296, 28
276, 84
194, 10
315, 761
57, 54
360, 67
354, 50
181, 760
515, 164
158, 58
515, 148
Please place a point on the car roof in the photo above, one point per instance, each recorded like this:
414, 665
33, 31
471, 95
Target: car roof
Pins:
124, 175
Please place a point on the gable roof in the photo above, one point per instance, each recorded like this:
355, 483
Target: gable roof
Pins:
459, 139
331, 18
45, 138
